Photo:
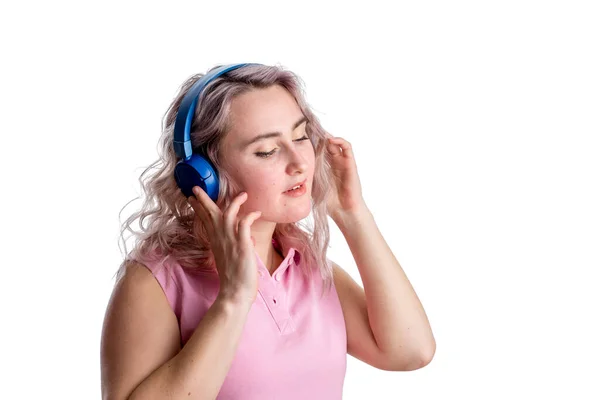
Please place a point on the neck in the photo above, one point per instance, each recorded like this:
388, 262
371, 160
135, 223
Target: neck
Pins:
262, 235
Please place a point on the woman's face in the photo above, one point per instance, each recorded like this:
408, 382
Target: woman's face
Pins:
265, 168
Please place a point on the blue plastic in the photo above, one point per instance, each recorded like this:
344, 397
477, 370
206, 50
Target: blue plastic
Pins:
194, 169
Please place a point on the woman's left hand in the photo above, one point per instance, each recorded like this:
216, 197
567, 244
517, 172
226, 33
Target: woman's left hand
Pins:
346, 197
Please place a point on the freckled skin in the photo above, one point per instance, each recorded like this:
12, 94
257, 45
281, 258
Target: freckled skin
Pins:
265, 179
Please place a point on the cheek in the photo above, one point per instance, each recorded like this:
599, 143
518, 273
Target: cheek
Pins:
261, 184
264, 185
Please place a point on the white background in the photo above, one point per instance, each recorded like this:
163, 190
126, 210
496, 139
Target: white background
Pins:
475, 127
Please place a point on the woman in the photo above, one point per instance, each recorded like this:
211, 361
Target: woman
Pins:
235, 299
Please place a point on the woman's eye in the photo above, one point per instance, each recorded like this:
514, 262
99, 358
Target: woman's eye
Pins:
270, 153
265, 155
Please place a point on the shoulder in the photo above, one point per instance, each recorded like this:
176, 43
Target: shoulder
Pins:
137, 287
342, 279
135, 273
140, 331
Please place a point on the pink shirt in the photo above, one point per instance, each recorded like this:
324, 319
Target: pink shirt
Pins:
294, 343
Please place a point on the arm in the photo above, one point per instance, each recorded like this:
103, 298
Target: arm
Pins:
398, 324
141, 356
397, 335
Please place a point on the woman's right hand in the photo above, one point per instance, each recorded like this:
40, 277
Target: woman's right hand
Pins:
231, 244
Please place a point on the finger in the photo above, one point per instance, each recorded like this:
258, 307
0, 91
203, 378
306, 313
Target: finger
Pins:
334, 149
244, 230
198, 209
339, 146
231, 213
208, 205
201, 216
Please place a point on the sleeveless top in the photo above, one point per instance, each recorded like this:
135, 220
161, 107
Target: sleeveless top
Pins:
294, 342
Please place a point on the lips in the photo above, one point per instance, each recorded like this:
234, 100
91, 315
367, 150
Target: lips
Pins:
296, 184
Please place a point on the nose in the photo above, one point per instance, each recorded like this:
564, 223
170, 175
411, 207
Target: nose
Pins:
297, 162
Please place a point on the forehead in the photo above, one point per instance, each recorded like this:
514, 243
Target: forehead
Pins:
260, 111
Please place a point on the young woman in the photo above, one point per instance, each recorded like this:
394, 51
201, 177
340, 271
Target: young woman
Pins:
235, 298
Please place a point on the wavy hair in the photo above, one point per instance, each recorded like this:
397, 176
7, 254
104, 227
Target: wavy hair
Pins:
171, 228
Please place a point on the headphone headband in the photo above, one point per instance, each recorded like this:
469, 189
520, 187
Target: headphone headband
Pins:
182, 143
194, 169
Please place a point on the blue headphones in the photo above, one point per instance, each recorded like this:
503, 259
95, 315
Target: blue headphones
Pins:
194, 169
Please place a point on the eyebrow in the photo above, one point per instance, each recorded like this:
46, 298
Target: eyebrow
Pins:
273, 134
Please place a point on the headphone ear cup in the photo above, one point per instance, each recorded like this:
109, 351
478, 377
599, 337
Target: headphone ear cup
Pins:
197, 171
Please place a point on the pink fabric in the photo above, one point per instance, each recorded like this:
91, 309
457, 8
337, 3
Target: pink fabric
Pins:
294, 343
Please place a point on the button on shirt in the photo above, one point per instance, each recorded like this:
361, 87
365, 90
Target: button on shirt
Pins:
294, 342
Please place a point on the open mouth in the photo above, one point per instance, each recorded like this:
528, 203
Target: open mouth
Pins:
295, 189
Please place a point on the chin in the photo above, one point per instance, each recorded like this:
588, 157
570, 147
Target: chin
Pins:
295, 213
